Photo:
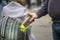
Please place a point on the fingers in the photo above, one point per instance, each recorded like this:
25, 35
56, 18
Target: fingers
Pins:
33, 16
32, 19
29, 14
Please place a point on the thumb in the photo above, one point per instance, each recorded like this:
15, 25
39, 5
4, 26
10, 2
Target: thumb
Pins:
32, 19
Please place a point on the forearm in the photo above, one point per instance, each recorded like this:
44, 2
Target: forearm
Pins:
44, 9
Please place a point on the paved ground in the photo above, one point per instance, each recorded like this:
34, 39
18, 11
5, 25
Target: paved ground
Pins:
41, 28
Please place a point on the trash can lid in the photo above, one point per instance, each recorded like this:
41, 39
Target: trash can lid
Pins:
14, 9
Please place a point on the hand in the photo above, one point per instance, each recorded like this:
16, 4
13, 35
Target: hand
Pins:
34, 16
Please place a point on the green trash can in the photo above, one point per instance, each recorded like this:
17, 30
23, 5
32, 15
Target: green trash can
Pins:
10, 29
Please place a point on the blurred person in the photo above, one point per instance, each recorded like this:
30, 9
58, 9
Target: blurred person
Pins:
17, 9
51, 7
38, 2
28, 3
42, 1
2, 4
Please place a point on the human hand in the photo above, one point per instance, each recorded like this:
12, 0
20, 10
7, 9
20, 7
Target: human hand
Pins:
33, 15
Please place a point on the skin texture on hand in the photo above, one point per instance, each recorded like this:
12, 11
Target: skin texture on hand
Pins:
34, 16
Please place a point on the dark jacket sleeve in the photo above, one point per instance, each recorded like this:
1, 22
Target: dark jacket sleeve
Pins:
44, 9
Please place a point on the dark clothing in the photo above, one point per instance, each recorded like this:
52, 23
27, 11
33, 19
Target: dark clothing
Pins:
52, 7
28, 3
56, 30
43, 11
3, 0
0, 1
2, 4
38, 2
